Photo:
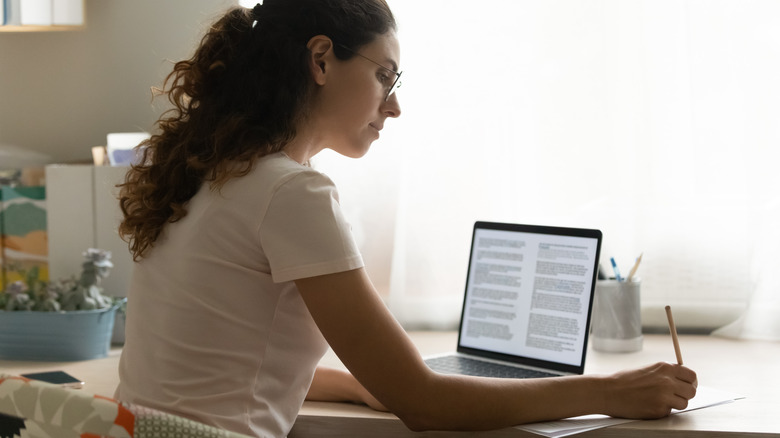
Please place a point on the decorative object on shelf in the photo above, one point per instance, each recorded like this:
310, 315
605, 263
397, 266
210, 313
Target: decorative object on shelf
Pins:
41, 15
62, 320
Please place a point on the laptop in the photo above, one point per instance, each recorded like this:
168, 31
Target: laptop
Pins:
528, 302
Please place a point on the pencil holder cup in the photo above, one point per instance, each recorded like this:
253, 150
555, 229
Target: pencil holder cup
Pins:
617, 318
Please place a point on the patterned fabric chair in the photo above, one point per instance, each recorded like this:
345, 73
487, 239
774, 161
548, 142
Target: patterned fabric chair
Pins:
34, 409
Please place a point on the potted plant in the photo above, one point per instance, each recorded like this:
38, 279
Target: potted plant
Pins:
62, 320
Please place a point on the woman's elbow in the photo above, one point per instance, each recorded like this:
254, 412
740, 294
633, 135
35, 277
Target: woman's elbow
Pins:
423, 415
415, 413
418, 421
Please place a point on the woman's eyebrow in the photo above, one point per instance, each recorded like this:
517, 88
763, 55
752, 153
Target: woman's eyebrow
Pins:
393, 64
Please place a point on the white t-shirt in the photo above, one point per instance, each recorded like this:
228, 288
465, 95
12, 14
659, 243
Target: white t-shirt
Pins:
216, 330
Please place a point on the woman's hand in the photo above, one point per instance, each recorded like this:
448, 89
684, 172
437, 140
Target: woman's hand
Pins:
649, 392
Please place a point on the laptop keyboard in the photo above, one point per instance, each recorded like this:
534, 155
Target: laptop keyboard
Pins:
472, 367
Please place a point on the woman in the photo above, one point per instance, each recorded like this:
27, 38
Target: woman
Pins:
246, 269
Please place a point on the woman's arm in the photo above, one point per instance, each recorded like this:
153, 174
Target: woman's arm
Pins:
374, 347
334, 385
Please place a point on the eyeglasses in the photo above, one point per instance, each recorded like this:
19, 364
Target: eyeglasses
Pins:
396, 83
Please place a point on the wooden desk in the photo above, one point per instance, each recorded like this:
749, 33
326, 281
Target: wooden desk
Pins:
749, 368
101, 376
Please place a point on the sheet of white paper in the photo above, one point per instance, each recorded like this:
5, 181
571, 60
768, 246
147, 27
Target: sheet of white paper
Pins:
705, 397
572, 426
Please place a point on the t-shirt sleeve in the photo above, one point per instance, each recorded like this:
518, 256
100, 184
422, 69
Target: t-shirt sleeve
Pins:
304, 232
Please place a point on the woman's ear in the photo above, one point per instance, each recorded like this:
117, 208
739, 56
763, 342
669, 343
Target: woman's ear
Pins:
320, 54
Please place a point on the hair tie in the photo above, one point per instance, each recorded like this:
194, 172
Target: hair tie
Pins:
256, 14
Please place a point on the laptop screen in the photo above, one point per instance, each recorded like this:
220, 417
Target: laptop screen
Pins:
529, 294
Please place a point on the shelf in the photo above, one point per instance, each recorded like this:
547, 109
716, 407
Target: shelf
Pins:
31, 28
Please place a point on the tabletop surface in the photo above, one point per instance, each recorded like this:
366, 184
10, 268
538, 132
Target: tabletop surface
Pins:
748, 368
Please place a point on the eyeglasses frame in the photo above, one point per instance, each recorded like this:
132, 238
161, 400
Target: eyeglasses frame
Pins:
396, 84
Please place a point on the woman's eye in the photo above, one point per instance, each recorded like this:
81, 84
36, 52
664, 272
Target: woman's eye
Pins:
383, 78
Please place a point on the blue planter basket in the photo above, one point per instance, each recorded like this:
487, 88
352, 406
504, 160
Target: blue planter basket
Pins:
56, 336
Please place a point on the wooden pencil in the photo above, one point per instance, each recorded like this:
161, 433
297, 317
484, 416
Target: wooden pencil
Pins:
673, 330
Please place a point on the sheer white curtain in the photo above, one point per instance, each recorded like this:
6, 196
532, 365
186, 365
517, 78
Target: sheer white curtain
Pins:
654, 121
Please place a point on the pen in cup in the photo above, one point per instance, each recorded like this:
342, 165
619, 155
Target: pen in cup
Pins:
673, 330
615, 268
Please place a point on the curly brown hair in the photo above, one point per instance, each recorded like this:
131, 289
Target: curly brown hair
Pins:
238, 98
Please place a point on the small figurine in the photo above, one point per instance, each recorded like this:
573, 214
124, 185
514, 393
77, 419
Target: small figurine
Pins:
18, 299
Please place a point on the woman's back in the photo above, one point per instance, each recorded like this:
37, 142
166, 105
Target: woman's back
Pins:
211, 333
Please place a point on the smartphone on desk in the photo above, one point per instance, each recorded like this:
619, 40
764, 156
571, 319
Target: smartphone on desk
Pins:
57, 377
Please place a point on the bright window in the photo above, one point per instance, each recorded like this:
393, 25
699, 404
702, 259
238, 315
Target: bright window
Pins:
655, 121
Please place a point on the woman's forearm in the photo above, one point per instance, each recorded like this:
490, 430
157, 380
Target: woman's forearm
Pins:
378, 352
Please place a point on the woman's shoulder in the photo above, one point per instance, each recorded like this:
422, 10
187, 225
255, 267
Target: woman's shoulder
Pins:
280, 168
274, 171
